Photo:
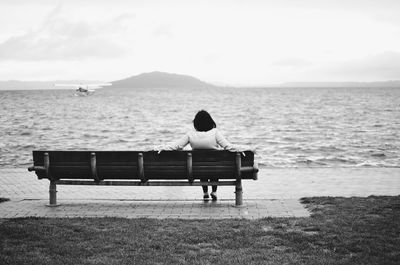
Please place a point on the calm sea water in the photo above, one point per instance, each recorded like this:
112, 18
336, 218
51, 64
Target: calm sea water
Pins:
288, 127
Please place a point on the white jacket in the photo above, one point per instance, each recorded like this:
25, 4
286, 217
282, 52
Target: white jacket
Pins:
211, 139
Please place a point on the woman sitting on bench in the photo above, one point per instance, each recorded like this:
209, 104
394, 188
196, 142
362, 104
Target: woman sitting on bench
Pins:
205, 136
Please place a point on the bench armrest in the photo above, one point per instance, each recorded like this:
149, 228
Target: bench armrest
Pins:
36, 168
253, 169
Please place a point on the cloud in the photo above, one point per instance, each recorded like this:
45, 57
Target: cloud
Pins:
292, 63
163, 31
381, 66
58, 38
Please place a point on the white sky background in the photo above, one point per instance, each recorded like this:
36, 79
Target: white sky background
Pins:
229, 42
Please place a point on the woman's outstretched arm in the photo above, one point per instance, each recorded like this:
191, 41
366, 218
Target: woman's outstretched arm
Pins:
223, 142
178, 145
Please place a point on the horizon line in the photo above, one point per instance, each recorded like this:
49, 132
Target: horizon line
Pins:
218, 83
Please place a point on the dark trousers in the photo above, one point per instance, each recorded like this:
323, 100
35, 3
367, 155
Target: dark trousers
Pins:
214, 187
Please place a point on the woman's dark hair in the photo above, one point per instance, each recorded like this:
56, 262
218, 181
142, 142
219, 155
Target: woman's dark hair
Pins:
203, 122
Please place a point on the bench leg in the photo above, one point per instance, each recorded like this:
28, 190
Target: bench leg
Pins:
53, 194
239, 192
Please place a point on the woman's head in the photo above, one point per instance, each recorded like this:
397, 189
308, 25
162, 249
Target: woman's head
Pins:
203, 122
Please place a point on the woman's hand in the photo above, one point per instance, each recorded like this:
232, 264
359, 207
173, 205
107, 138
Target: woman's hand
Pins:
243, 148
159, 148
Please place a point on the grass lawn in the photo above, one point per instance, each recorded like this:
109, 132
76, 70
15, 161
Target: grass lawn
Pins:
340, 231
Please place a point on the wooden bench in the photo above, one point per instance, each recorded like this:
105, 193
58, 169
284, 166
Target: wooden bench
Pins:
137, 168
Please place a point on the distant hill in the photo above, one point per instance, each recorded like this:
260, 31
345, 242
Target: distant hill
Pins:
159, 79
391, 83
39, 85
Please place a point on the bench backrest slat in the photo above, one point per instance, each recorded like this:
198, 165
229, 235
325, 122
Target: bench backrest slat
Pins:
124, 164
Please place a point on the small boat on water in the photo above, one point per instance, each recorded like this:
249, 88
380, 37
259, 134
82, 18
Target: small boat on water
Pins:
80, 91
84, 90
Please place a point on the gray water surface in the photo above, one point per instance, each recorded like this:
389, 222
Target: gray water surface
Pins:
287, 127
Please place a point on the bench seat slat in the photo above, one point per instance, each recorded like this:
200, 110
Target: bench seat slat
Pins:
165, 176
129, 168
138, 183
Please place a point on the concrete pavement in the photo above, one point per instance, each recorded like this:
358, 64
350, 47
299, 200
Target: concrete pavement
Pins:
275, 194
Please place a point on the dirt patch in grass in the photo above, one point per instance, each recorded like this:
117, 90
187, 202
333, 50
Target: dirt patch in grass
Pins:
339, 231
4, 200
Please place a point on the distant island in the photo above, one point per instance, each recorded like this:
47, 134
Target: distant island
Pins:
160, 79
169, 80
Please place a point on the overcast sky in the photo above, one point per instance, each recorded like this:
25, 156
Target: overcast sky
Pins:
226, 42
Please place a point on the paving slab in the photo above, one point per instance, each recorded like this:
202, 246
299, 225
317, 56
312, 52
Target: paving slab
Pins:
275, 194
153, 209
